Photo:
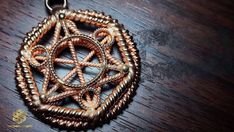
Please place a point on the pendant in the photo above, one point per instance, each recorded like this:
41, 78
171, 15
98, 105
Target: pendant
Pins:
77, 69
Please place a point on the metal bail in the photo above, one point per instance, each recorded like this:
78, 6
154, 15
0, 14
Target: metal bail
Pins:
52, 9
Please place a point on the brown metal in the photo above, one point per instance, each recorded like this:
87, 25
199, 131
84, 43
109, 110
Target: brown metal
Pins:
87, 93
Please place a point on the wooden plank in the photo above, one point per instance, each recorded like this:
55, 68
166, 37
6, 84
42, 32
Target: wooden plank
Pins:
186, 49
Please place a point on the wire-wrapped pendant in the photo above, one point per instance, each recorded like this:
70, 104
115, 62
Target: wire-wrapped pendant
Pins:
77, 67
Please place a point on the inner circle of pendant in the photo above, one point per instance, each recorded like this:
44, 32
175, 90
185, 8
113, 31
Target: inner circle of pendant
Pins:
71, 55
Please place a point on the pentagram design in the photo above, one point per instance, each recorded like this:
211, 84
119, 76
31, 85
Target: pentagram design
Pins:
77, 67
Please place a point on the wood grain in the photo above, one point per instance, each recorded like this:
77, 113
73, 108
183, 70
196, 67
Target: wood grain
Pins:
186, 49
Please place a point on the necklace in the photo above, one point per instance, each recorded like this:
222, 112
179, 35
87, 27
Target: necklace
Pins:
88, 64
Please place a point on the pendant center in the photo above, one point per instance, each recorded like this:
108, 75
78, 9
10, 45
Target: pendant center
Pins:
92, 60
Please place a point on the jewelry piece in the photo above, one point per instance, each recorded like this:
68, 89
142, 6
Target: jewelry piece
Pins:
77, 67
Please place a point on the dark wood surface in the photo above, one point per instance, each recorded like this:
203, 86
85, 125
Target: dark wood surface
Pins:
186, 49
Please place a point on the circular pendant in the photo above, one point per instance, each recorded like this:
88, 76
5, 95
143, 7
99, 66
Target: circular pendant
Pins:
77, 68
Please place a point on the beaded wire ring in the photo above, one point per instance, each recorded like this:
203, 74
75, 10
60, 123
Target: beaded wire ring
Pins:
90, 103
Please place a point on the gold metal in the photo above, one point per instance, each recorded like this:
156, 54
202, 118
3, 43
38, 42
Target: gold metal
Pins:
91, 107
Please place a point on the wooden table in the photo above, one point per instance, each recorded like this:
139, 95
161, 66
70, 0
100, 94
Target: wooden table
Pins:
186, 49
